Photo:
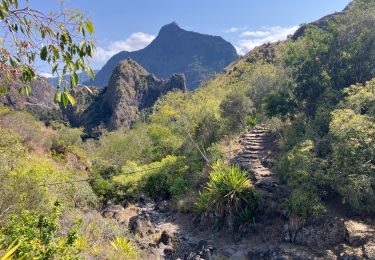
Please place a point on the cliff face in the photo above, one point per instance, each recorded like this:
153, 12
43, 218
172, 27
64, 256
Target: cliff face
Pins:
130, 90
175, 50
41, 96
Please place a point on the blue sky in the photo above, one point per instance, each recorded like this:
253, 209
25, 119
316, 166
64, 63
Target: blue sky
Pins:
132, 24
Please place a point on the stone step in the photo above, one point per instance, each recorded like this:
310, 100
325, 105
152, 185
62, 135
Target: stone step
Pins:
257, 132
251, 138
250, 151
263, 175
254, 135
249, 161
254, 147
250, 156
255, 142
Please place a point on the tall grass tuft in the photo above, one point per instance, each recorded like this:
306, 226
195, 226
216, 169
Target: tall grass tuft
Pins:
229, 195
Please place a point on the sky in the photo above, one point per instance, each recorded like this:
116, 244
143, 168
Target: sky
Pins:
132, 24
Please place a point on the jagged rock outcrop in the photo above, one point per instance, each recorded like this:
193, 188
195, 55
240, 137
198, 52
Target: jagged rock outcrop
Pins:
130, 90
175, 50
40, 98
84, 99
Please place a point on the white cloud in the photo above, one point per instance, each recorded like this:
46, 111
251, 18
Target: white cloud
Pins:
234, 29
251, 39
46, 74
134, 42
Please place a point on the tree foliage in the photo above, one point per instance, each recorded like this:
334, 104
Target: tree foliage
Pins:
60, 40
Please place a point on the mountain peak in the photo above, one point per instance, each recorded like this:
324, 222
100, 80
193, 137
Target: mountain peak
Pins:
176, 50
171, 27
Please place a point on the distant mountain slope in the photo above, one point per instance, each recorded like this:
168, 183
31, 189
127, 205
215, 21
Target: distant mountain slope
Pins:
175, 50
41, 96
82, 78
130, 90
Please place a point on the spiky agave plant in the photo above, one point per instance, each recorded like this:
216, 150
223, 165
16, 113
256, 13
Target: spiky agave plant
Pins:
124, 246
228, 193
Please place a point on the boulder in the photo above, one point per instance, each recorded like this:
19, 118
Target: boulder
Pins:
322, 233
141, 225
165, 238
358, 233
369, 250
119, 213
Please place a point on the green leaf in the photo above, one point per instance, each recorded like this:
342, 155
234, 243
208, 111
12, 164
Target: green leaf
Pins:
90, 72
7, 77
89, 27
64, 99
88, 89
10, 251
25, 90
54, 68
5, 6
71, 99
57, 97
3, 91
43, 53
73, 80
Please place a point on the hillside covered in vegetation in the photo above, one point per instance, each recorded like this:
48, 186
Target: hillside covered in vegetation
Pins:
158, 187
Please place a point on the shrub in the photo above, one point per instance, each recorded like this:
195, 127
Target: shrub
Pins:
278, 104
158, 181
215, 153
118, 147
306, 174
157, 186
37, 235
28, 128
229, 195
124, 247
169, 181
303, 204
234, 108
163, 142
70, 136
250, 122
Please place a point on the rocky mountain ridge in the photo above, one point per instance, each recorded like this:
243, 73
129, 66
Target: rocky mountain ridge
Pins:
176, 50
130, 90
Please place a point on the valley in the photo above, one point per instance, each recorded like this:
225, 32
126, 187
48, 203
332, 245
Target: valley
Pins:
183, 149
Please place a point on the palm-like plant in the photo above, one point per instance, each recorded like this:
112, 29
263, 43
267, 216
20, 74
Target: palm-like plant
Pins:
229, 192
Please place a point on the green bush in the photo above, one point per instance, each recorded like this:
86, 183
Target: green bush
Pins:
304, 204
234, 108
158, 180
36, 235
163, 142
229, 195
157, 186
353, 129
278, 104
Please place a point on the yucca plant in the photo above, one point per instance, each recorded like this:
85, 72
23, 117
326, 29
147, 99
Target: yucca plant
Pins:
8, 254
228, 194
125, 247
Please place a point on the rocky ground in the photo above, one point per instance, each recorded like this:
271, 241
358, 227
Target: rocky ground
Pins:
163, 234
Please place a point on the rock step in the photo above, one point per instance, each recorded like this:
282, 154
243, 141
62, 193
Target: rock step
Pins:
255, 142
264, 137
250, 151
254, 148
254, 135
256, 138
269, 183
250, 156
256, 132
